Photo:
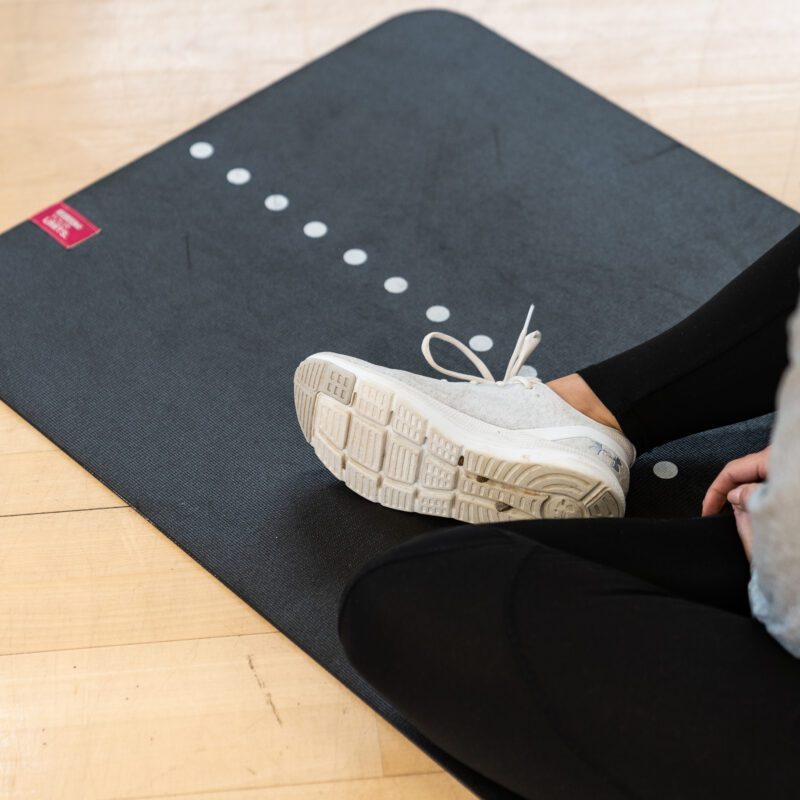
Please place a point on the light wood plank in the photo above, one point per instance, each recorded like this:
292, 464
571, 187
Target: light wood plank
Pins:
17, 436
407, 787
399, 756
93, 578
46, 481
177, 717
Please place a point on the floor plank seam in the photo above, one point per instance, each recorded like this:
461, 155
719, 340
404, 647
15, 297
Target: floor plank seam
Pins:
61, 511
136, 644
328, 782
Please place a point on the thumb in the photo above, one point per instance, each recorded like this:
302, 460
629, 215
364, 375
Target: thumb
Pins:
741, 494
735, 496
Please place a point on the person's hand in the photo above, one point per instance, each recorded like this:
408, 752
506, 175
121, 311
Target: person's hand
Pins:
748, 469
738, 498
735, 484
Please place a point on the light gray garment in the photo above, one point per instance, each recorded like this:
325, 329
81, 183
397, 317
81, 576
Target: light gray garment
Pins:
775, 511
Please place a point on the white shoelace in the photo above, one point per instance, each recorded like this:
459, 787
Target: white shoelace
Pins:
526, 344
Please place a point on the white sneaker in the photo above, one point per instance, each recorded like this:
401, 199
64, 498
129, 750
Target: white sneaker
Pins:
477, 450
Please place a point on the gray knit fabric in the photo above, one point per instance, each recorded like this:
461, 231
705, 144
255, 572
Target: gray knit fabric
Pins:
775, 511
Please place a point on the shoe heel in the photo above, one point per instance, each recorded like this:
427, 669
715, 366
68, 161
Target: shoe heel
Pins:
493, 490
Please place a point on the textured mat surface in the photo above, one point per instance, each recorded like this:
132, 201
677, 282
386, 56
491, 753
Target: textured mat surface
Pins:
160, 352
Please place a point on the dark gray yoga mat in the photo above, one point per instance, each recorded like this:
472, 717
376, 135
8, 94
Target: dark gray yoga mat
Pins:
160, 353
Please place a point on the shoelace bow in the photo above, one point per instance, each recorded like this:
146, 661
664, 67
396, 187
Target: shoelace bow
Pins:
526, 344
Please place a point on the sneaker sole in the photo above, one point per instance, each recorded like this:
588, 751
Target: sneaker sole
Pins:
383, 443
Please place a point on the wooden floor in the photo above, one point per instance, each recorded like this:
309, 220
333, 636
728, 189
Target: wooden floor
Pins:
126, 671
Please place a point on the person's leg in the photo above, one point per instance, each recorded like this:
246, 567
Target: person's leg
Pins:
557, 675
701, 560
719, 365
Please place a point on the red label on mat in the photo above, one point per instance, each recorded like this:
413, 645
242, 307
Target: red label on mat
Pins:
65, 225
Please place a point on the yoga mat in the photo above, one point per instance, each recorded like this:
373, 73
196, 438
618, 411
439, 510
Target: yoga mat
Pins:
159, 352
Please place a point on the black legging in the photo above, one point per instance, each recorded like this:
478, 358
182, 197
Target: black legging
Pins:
720, 365
606, 658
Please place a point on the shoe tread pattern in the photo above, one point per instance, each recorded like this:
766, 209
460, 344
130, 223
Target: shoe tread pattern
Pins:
385, 450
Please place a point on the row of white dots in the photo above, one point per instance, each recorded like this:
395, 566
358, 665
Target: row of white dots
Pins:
238, 176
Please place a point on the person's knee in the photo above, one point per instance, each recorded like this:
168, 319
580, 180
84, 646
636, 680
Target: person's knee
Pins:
380, 610
367, 620
400, 611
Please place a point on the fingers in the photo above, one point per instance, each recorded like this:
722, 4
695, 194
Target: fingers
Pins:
740, 496
745, 530
749, 469
724, 483
714, 498
734, 496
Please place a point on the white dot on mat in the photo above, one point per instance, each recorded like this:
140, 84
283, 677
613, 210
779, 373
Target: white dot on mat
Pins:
354, 257
438, 313
481, 343
665, 469
395, 285
201, 150
315, 229
276, 202
238, 175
